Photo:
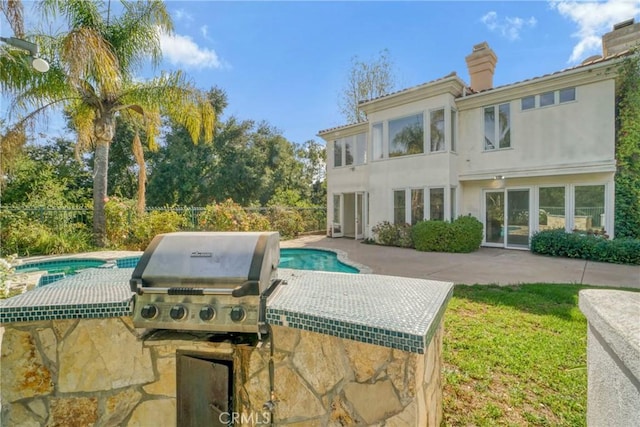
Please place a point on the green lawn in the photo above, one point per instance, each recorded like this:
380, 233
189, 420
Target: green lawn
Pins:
515, 356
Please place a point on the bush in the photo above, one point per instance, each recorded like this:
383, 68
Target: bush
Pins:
226, 216
586, 246
388, 234
286, 221
23, 236
463, 235
152, 224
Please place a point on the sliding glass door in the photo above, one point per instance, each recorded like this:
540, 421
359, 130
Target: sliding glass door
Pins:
507, 218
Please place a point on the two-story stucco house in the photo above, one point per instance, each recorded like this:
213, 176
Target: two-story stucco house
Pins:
522, 157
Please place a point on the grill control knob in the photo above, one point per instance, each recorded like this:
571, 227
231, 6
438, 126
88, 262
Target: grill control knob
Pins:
207, 313
177, 312
149, 311
237, 314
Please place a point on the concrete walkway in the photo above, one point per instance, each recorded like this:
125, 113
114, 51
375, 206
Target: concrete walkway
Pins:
485, 266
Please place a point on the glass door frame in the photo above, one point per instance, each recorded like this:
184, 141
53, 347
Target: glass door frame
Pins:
360, 212
505, 215
337, 228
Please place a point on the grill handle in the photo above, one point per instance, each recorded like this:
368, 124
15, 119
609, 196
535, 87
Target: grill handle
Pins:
250, 287
185, 291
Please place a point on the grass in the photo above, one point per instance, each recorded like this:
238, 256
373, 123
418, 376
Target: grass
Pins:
515, 355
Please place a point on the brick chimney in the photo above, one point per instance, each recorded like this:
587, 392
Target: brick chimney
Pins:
625, 35
481, 64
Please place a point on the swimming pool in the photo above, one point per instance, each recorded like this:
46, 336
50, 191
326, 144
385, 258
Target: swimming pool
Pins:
313, 259
294, 258
57, 269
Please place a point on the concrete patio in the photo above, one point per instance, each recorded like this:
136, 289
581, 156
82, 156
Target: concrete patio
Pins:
485, 266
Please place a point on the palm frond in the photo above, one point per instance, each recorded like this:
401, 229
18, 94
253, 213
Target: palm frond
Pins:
14, 12
135, 35
90, 57
82, 117
173, 95
77, 13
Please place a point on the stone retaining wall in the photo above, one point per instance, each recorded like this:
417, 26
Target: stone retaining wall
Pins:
99, 372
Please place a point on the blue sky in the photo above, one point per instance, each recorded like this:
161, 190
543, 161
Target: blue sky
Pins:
286, 62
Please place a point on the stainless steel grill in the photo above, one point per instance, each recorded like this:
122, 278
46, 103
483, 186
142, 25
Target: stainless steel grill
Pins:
206, 281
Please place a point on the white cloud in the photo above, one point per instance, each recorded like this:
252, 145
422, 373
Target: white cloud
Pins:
182, 15
182, 50
204, 30
594, 19
508, 27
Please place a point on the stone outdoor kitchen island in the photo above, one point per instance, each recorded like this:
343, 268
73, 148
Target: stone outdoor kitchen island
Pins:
345, 349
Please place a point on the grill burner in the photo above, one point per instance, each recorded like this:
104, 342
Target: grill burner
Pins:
206, 281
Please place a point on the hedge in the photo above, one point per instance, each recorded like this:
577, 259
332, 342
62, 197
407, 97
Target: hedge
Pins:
586, 246
463, 235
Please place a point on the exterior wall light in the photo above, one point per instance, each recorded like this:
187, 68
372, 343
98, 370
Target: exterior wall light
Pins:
37, 63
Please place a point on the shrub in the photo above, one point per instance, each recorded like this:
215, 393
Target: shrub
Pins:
467, 234
225, 216
153, 223
463, 235
388, 234
586, 246
286, 221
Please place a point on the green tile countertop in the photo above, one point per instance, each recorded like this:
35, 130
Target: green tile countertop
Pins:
395, 312
92, 293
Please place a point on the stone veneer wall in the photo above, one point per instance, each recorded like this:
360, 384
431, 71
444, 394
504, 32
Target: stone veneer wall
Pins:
98, 372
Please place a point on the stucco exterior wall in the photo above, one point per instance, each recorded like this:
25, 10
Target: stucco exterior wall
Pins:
572, 133
99, 372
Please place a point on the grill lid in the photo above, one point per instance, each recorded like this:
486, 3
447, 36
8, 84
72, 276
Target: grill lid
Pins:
208, 259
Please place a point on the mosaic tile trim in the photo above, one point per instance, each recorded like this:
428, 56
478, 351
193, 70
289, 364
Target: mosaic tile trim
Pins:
395, 312
47, 279
93, 293
127, 262
91, 262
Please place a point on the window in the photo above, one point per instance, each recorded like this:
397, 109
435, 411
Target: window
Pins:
361, 148
589, 208
567, 95
348, 151
453, 203
436, 203
453, 129
417, 205
406, 136
337, 153
399, 208
547, 99
376, 131
528, 103
437, 130
497, 133
351, 150
551, 213
336, 209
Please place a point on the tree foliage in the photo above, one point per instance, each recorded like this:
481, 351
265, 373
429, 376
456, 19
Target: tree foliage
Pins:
627, 180
92, 77
366, 80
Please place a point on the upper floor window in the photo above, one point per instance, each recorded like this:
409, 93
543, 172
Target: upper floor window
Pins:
406, 136
437, 130
548, 98
497, 127
376, 141
567, 95
454, 116
350, 150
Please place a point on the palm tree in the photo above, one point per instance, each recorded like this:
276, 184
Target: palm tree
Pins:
12, 10
92, 79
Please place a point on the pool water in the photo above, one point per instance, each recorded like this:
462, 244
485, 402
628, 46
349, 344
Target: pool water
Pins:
313, 259
66, 266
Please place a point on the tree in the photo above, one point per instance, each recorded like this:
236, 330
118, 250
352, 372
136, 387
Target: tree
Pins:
366, 80
13, 11
92, 79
